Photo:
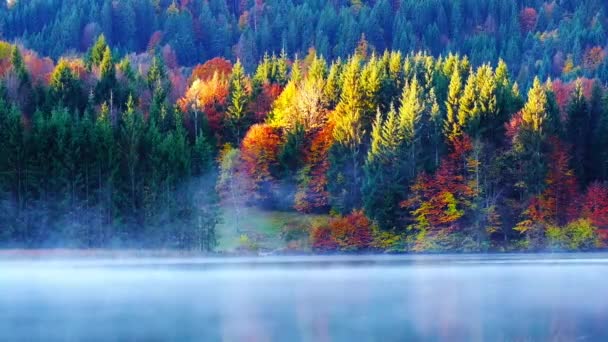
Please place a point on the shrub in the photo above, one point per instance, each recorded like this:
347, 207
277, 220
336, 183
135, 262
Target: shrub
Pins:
578, 235
348, 233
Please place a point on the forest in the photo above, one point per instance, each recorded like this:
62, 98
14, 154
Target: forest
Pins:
391, 126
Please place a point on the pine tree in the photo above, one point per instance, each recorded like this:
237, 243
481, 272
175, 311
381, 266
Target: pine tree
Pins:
414, 125
130, 139
65, 87
19, 67
13, 171
346, 153
107, 82
106, 168
529, 143
578, 132
452, 126
96, 54
382, 188
237, 114
599, 146
21, 92
468, 111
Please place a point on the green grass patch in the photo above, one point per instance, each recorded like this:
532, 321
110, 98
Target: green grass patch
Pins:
264, 230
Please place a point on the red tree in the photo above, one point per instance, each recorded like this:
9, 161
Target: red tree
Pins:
594, 57
528, 19
558, 203
169, 56
154, 40
512, 127
563, 91
178, 84
208, 97
312, 192
322, 240
595, 205
439, 201
349, 233
259, 152
262, 103
206, 71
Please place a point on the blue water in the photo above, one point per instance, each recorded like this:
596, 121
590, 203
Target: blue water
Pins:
385, 298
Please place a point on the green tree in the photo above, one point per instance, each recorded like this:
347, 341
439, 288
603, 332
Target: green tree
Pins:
237, 115
107, 82
131, 132
106, 171
414, 124
529, 143
383, 185
346, 154
579, 133
452, 126
96, 54
65, 87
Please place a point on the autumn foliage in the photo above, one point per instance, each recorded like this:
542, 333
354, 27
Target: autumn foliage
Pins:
513, 125
440, 200
349, 233
594, 57
259, 151
595, 205
558, 204
209, 97
154, 40
312, 192
264, 100
528, 18
206, 70
563, 91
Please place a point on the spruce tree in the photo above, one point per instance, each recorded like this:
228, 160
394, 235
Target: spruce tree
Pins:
452, 126
345, 155
529, 144
578, 133
237, 114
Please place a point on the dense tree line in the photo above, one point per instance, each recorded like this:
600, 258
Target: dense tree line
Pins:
417, 153
404, 152
82, 164
561, 38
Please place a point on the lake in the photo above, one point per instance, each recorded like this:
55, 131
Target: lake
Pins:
333, 298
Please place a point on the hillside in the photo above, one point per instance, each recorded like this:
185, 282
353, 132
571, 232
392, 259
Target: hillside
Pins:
564, 38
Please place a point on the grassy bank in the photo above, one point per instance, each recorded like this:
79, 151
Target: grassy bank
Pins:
262, 230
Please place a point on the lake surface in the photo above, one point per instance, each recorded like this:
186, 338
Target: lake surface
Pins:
384, 298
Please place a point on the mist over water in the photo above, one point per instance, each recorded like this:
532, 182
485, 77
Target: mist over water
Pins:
384, 298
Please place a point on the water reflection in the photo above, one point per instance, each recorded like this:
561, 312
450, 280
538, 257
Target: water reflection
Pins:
526, 298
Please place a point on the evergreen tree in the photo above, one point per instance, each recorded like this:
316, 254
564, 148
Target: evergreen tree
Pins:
96, 54
106, 169
414, 124
345, 155
452, 126
65, 88
237, 114
382, 188
131, 132
529, 143
104, 90
19, 67
579, 134
599, 146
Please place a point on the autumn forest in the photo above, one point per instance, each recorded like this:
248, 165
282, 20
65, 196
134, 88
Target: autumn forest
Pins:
373, 125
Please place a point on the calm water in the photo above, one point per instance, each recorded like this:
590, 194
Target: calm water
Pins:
431, 298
